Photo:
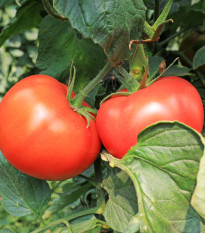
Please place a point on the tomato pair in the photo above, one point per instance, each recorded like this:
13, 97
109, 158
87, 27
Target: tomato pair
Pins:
43, 137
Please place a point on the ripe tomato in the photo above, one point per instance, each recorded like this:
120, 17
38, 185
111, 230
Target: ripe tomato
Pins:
41, 135
120, 119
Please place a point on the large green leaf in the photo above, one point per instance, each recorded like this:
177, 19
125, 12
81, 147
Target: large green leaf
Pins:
122, 203
59, 45
198, 198
27, 17
163, 167
111, 24
21, 194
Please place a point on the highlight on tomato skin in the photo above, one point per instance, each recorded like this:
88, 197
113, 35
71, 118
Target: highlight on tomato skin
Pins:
41, 135
120, 120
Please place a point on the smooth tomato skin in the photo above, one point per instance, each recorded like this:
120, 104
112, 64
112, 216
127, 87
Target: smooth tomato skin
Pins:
41, 135
121, 119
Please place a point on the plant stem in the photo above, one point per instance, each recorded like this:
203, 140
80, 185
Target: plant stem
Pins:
98, 178
77, 101
52, 224
90, 180
156, 10
65, 221
133, 83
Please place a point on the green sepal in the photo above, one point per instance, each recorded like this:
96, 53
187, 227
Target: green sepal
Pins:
115, 94
71, 82
153, 32
143, 83
163, 15
158, 77
85, 112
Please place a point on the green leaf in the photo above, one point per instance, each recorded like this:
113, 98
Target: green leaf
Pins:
199, 58
198, 198
153, 32
23, 20
122, 203
111, 24
177, 70
6, 230
6, 2
86, 224
21, 194
161, 19
73, 193
59, 45
190, 19
154, 63
163, 167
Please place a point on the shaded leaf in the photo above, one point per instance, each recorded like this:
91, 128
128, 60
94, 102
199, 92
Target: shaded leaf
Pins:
199, 58
177, 70
23, 20
6, 2
59, 45
21, 194
154, 63
122, 203
74, 192
111, 24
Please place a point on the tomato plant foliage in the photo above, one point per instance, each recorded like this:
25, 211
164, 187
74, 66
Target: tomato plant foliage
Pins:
148, 175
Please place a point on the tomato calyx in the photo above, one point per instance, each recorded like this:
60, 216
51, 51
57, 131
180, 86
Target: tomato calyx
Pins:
77, 106
76, 102
86, 112
115, 94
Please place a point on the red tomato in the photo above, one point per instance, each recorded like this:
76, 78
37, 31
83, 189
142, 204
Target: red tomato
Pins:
120, 119
41, 135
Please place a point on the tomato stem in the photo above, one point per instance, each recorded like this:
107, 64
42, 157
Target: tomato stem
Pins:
90, 180
98, 178
71, 82
98, 170
80, 96
131, 81
52, 224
